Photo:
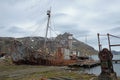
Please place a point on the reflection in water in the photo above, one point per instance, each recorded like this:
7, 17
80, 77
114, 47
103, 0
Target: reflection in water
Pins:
117, 69
97, 70
94, 70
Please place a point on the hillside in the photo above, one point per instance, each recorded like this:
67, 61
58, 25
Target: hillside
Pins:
83, 48
115, 52
38, 42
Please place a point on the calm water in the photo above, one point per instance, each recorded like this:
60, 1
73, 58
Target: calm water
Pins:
97, 70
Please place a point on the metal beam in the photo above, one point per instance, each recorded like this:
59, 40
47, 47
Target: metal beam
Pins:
114, 36
115, 45
108, 35
99, 45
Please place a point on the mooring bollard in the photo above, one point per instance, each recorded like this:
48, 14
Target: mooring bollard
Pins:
107, 71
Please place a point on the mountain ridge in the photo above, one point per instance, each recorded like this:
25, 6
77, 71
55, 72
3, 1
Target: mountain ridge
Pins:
38, 42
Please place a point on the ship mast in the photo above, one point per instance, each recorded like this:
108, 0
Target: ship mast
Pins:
48, 22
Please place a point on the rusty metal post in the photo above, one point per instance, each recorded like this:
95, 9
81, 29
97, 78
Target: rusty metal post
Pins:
108, 35
99, 45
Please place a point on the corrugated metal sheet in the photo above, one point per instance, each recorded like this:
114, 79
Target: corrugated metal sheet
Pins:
66, 53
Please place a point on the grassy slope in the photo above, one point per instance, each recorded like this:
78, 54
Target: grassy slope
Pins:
9, 71
27, 72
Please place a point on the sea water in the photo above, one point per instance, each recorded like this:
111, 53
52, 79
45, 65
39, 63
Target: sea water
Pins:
97, 70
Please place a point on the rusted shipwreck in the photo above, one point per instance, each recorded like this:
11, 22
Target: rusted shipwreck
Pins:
55, 52
22, 54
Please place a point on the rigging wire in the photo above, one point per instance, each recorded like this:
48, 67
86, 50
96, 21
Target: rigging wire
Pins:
38, 27
53, 29
42, 11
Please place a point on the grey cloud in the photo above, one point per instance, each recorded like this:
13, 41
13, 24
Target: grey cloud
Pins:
107, 19
75, 16
21, 11
72, 28
116, 29
81, 33
2, 27
15, 29
60, 15
66, 27
63, 3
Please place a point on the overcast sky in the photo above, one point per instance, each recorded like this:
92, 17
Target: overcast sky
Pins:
83, 18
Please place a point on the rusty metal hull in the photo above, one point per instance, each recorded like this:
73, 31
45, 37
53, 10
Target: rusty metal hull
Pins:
21, 54
45, 62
